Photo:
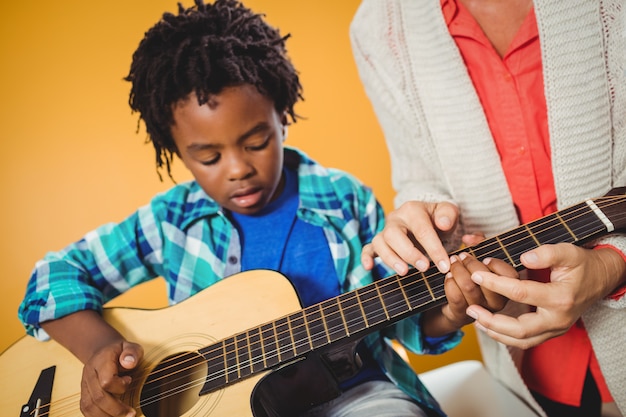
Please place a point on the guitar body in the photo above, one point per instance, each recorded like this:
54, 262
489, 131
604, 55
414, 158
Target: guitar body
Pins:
198, 362
238, 302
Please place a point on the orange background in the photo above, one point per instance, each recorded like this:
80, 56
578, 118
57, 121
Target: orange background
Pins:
72, 157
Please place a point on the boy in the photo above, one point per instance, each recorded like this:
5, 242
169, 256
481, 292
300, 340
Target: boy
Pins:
215, 88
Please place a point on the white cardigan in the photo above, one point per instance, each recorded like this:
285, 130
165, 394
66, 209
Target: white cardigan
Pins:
441, 148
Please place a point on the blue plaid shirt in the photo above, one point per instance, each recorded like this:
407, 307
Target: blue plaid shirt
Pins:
185, 237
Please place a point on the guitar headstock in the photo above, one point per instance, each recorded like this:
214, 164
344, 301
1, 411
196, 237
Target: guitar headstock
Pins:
613, 205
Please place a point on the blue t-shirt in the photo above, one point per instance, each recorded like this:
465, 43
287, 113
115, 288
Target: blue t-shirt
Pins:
275, 238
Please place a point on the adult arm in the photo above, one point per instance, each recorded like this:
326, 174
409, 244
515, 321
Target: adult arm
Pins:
426, 221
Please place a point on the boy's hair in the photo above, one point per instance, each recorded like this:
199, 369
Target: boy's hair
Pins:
204, 49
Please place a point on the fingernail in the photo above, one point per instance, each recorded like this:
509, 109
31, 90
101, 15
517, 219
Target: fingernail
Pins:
421, 265
445, 221
129, 359
454, 259
530, 257
486, 261
463, 255
471, 313
398, 268
477, 278
443, 266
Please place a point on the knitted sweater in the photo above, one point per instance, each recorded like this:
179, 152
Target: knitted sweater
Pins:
441, 147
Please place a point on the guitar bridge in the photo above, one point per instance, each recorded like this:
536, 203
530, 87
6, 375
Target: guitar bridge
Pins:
38, 404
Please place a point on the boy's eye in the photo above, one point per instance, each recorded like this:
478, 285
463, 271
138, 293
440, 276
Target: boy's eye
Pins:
260, 146
210, 161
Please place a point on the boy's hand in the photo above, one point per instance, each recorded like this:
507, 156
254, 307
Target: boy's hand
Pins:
462, 292
106, 376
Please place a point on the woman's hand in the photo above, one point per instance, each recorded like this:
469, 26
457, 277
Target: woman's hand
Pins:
411, 235
579, 277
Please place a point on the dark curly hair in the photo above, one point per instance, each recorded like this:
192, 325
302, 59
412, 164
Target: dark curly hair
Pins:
203, 49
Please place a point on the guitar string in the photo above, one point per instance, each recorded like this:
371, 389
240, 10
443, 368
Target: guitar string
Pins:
291, 330
295, 346
280, 336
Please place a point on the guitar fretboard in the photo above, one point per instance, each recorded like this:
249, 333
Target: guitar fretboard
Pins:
382, 303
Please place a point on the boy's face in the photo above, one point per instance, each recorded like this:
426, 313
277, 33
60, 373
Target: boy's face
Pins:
233, 146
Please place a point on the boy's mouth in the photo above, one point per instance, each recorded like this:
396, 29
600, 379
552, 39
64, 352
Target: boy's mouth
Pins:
247, 197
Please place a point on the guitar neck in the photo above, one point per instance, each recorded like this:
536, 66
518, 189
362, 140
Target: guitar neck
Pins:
386, 301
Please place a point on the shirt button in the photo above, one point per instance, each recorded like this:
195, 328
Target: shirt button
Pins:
232, 260
521, 150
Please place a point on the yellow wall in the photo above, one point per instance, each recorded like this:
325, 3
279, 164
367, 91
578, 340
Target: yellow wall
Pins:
72, 159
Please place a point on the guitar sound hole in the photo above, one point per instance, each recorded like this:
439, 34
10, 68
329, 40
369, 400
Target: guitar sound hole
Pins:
173, 387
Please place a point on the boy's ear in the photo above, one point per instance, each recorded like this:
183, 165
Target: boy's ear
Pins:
285, 123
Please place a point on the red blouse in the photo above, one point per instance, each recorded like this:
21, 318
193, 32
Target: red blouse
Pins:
511, 91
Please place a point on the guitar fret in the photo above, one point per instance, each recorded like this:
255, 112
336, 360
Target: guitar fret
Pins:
565, 226
430, 290
353, 312
360, 304
256, 350
549, 230
270, 341
307, 328
344, 320
286, 349
511, 261
436, 281
230, 358
317, 324
335, 320
416, 291
490, 248
300, 336
530, 232
290, 336
371, 306
583, 225
382, 302
519, 241
400, 303
244, 363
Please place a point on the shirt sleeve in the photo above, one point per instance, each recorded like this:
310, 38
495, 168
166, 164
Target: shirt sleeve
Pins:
619, 292
86, 274
416, 174
409, 333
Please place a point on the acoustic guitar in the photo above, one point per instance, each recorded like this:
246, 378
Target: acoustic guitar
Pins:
198, 362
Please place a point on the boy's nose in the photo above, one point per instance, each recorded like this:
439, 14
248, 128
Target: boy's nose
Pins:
239, 168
